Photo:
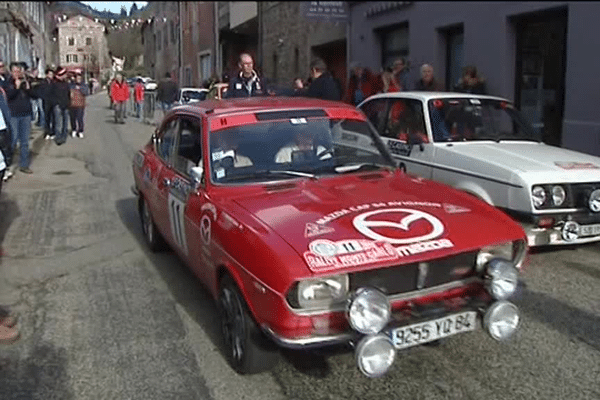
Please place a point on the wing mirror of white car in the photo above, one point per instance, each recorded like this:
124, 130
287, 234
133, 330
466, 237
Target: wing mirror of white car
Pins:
416, 139
197, 176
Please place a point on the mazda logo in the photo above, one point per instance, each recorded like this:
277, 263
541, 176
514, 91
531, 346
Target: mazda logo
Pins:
399, 220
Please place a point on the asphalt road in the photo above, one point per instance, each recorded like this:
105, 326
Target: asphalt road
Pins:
103, 318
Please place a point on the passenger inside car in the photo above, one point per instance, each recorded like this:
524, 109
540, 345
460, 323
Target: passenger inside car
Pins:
227, 154
406, 122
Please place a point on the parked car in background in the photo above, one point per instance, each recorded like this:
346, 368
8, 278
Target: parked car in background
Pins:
293, 214
484, 146
150, 84
191, 95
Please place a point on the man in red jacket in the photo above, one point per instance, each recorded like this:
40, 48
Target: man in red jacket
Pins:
120, 94
138, 92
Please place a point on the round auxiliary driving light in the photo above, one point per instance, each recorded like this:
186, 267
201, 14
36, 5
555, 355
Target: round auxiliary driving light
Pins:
375, 355
369, 311
501, 278
594, 201
501, 320
558, 195
539, 196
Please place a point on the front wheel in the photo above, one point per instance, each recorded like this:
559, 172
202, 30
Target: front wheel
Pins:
151, 234
248, 350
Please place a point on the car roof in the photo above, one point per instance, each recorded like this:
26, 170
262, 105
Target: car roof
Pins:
426, 96
235, 105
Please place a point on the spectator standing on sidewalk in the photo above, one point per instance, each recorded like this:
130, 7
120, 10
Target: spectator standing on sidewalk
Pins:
138, 93
166, 92
428, 83
246, 83
4, 76
362, 84
400, 71
471, 82
5, 134
19, 94
120, 95
322, 84
78, 91
46, 93
388, 79
61, 109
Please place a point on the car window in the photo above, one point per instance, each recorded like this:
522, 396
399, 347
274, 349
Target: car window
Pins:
166, 140
296, 147
375, 110
189, 145
406, 121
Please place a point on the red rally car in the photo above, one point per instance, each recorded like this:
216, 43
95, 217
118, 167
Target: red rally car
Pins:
293, 214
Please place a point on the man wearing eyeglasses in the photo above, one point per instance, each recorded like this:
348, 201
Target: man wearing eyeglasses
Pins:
246, 83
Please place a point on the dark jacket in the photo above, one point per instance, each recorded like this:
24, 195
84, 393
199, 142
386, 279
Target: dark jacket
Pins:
324, 87
5, 135
45, 91
167, 91
19, 99
432, 86
361, 88
477, 88
239, 86
62, 94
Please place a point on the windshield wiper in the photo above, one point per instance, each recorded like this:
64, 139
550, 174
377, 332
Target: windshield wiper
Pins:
501, 138
259, 174
342, 169
294, 173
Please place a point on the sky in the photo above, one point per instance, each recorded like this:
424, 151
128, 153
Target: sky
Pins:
114, 6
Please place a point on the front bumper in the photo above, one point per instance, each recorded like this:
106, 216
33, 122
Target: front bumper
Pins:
564, 233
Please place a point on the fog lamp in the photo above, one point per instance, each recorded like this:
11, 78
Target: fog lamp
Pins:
594, 201
375, 355
501, 278
501, 320
369, 311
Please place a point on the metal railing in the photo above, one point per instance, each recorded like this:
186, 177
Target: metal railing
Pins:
148, 108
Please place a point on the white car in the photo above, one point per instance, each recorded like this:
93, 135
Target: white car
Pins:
191, 95
150, 84
484, 146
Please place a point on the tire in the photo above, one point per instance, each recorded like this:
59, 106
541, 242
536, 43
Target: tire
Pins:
248, 350
153, 237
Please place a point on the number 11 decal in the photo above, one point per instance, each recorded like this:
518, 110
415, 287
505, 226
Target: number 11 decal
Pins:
177, 218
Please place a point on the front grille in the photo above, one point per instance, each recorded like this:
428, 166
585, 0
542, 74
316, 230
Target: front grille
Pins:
581, 193
405, 278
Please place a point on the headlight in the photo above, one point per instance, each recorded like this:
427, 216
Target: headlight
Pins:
501, 320
512, 251
538, 195
501, 278
369, 311
594, 201
375, 355
558, 195
320, 292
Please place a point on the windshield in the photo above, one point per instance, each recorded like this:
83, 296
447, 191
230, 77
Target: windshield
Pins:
471, 119
293, 148
193, 95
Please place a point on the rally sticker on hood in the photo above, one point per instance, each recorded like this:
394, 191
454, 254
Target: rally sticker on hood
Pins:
415, 232
575, 165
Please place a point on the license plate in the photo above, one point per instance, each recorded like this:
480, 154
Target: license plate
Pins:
423, 332
590, 230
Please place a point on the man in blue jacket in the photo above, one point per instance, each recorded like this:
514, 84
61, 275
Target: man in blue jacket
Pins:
246, 83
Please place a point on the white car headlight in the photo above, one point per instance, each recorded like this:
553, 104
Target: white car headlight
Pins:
594, 201
538, 194
501, 320
375, 355
322, 292
369, 311
501, 278
558, 195
512, 251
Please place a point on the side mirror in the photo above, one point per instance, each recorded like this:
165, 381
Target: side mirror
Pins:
197, 176
416, 139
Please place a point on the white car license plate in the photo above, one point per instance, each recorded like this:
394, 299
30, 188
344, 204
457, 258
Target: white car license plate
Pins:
590, 230
423, 332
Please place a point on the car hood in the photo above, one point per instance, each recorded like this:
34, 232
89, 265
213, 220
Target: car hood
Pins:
532, 162
351, 223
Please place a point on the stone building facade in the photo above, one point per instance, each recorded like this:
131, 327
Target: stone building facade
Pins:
82, 46
289, 41
198, 42
161, 37
23, 33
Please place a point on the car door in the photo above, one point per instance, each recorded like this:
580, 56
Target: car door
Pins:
165, 148
403, 128
183, 190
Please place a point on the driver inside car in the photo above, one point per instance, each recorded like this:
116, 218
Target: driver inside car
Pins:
302, 149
